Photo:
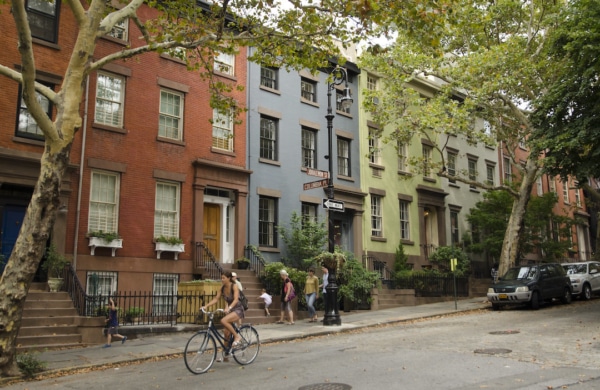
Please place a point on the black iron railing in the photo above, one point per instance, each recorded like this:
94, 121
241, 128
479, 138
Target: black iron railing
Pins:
205, 259
433, 285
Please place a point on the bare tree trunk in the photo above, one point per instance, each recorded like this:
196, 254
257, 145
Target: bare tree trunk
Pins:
510, 246
27, 253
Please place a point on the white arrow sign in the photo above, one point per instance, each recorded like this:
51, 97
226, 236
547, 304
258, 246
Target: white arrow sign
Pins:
335, 205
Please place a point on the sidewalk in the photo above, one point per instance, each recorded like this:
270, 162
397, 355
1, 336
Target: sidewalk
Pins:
166, 344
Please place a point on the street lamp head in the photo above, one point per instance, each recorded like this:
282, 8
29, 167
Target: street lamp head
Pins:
346, 100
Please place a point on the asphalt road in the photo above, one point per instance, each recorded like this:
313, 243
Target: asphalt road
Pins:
557, 347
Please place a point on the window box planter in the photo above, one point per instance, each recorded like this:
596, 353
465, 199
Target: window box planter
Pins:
96, 242
166, 247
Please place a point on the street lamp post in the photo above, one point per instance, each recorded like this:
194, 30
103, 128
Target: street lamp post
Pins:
339, 75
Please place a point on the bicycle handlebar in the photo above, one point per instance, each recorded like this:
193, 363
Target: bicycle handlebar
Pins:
208, 312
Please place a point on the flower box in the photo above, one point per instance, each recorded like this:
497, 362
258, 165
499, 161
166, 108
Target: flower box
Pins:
166, 247
102, 243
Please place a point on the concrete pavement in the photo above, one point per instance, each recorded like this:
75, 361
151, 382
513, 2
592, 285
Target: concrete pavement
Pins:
173, 343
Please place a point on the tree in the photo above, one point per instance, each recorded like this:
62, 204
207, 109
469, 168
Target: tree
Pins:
568, 115
304, 239
491, 62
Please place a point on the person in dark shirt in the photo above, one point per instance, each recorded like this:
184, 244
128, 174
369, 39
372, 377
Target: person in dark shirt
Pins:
113, 324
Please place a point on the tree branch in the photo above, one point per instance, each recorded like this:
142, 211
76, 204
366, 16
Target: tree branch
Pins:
77, 10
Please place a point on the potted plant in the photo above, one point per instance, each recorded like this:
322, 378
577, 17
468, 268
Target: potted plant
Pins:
133, 313
54, 265
100, 238
169, 244
243, 263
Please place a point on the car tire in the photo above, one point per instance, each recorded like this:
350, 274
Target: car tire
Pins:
586, 292
535, 300
567, 297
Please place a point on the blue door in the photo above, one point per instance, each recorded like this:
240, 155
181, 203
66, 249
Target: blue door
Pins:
12, 219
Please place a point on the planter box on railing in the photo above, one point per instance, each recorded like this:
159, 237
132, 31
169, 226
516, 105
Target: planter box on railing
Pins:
97, 242
166, 247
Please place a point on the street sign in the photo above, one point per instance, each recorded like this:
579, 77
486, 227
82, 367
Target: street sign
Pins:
335, 205
317, 173
316, 184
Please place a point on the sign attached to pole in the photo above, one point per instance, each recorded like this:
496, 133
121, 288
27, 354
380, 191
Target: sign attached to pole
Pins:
335, 205
317, 173
316, 184
453, 263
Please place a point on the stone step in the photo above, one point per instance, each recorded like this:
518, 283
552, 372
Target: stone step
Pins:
58, 339
49, 312
48, 330
44, 347
46, 296
48, 321
48, 304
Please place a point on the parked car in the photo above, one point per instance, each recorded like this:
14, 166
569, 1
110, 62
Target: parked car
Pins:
585, 278
531, 284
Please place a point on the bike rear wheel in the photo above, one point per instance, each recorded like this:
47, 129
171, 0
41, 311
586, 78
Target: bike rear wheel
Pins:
250, 346
200, 352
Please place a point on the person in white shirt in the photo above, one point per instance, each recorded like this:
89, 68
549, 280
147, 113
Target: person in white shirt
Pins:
268, 300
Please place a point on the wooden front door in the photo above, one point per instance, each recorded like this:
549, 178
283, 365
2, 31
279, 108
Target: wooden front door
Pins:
212, 228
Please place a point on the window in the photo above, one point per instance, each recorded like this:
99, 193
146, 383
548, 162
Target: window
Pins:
374, 146
267, 221
100, 283
452, 165
338, 102
222, 130
507, 170
565, 189
43, 19
104, 204
309, 212
371, 83
309, 148
120, 30
552, 184
26, 125
166, 210
165, 294
269, 77
472, 171
170, 118
402, 157
110, 95
268, 138
454, 233
225, 63
404, 220
490, 172
577, 194
376, 216
427, 150
343, 149
308, 90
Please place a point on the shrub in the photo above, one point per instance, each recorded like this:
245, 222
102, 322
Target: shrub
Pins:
355, 281
169, 240
29, 364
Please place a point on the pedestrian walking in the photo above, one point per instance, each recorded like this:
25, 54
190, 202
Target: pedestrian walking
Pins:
267, 299
240, 287
494, 273
113, 324
311, 292
287, 294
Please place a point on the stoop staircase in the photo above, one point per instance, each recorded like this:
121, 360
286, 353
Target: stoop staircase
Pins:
49, 320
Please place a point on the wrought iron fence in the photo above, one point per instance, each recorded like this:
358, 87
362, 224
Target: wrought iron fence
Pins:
433, 285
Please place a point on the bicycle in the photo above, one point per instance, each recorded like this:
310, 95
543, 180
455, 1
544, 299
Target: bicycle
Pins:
201, 349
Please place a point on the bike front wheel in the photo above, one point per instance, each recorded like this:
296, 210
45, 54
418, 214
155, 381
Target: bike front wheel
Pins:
200, 352
250, 346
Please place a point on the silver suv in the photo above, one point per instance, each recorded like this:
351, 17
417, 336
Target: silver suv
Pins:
585, 278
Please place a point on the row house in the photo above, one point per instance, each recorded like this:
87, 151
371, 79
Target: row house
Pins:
287, 140
152, 159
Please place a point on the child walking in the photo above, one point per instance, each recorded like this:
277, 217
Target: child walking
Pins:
113, 324
268, 300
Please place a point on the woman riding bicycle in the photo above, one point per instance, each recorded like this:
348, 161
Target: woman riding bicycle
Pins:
234, 310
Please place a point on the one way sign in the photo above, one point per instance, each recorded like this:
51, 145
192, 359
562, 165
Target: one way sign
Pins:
335, 205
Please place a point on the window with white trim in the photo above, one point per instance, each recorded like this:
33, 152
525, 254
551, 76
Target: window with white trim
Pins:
452, 157
577, 194
225, 63
164, 288
507, 170
104, 202
27, 126
166, 210
343, 149
222, 136
402, 157
472, 171
170, 117
309, 212
100, 283
267, 221
308, 89
427, 151
309, 147
374, 146
43, 19
490, 173
376, 216
120, 30
454, 232
552, 184
269, 77
268, 137
371, 82
404, 220
110, 97
565, 188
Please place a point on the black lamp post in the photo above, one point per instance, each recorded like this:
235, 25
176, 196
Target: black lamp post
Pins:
339, 75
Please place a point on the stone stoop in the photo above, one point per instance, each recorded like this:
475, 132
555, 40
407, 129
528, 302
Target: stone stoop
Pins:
252, 290
479, 287
49, 321
390, 298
